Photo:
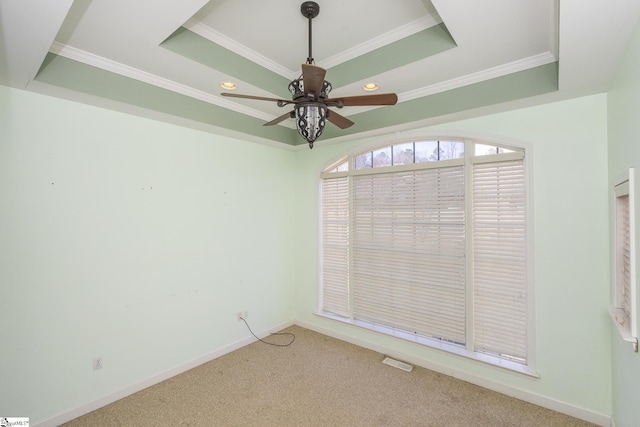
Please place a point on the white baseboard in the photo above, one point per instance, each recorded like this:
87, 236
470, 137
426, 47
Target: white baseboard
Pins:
518, 393
155, 379
527, 396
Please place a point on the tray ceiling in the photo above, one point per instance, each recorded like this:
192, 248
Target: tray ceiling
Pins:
444, 59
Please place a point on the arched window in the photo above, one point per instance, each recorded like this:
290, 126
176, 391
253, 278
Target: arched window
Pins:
427, 240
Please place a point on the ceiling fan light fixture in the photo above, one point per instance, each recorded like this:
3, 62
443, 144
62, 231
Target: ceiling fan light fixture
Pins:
310, 120
370, 87
228, 85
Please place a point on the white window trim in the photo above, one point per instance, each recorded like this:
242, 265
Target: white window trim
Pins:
624, 185
434, 343
530, 369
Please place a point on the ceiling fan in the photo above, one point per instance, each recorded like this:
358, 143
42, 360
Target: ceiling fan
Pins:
310, 95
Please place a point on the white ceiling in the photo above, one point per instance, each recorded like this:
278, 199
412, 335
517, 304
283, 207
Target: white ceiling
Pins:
493, 38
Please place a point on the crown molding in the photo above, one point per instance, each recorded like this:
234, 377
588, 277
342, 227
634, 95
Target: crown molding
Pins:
155, 80
382, 40
466, 80
361, 49
480, 76
217, 37
97, 61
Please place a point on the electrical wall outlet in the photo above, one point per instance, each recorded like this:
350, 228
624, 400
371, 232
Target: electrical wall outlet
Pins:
243, 315
97, 363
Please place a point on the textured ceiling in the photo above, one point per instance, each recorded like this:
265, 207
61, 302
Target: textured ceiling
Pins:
445, 58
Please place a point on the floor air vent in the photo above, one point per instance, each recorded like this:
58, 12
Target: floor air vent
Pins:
397, 364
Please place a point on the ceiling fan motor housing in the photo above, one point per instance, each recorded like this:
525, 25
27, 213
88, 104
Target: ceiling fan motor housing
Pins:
296, 87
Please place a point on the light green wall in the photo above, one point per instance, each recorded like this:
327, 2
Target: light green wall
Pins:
624, 152
139, 241
131, 239
569, 153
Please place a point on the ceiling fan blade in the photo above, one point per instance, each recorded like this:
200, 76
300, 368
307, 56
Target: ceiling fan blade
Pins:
280, 102
313, 79
363, 100
338, 120
278, 119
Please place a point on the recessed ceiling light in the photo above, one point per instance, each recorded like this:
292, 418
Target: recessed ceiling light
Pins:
370, 87
228, 85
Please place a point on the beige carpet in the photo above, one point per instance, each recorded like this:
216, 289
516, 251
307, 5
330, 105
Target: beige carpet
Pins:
317, 381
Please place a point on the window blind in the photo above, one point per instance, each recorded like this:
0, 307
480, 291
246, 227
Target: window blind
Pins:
624, 251
408, 269
335, 242
432, 250
624, 310
499, 258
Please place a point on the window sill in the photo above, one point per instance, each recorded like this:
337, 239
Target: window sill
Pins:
618, 317
452, 348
